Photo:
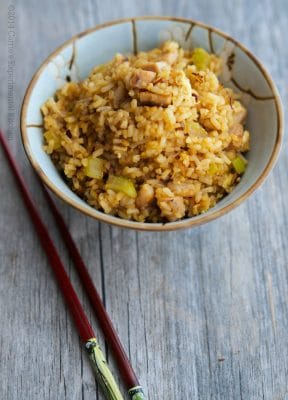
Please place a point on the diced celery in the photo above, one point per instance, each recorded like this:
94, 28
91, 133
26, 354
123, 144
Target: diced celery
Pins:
94, 168
239, 163
200, 58
213, 169
227, 181
121, 184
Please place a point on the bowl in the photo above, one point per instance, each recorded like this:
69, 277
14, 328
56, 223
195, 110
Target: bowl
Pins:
242, 71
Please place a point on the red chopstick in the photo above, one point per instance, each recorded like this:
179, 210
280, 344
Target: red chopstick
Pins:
103, 374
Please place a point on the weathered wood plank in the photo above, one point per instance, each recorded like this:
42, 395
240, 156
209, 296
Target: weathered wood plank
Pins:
202, 313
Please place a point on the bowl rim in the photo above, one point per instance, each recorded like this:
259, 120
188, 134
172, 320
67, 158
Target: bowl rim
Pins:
145, 226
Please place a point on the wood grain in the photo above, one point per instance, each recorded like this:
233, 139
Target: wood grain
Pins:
202, 313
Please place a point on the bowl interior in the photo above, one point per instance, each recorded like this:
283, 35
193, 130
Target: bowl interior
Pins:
242, 72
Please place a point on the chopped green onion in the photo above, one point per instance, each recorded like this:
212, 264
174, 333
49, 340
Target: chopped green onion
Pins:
200, 58
94, 168
239, 163
121, 184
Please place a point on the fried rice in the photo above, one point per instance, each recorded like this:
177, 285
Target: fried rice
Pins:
152, 137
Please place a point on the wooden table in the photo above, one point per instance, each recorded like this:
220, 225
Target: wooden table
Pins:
202, 313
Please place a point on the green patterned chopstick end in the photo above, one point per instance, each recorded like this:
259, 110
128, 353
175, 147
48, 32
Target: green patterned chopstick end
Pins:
136, 393
102, 371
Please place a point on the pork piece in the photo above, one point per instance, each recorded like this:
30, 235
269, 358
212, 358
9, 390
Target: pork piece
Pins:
145, 195
172, 207
155, 66
141, 78
239, 138
120, 95
237, 130
185, 189
154, 99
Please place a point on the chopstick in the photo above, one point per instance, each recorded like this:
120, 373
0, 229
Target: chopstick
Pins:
135, 391
99, 364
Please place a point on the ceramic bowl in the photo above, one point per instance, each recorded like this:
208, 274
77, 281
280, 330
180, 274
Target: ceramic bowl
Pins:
242, 71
